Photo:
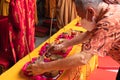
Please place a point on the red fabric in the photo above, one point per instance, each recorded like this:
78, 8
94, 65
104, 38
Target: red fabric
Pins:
107, 63
47, 23
3, 17
3, 32
6, 56
41, 29
21, 16
100, 74
4, 63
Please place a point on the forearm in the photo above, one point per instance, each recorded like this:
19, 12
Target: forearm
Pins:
78, 39
69, 62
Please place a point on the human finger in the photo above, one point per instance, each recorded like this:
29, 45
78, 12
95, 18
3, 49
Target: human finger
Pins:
29, 67
30, 73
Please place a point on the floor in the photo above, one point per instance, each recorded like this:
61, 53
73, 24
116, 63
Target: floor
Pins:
39, 40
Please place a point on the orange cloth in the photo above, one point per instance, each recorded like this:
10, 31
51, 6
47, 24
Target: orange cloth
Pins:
66, 12
4, 7
50, 8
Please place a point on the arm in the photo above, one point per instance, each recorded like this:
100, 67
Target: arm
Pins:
62, 64
78, 39
76, 60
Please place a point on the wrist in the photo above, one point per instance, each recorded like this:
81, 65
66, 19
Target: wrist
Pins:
46, 66
50, 66
42, 66
66, 44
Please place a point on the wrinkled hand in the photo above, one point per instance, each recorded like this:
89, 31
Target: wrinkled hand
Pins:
54, 49
60, 46
36, 68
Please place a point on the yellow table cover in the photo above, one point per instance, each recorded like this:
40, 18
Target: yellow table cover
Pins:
14, 73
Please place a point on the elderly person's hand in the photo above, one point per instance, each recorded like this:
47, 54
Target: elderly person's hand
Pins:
61, 46
56, 47
36, 68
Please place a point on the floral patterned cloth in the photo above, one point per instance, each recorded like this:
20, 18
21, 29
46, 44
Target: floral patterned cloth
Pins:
106, 35
112, 1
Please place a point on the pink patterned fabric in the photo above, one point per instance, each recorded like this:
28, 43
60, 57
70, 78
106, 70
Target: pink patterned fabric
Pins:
112, 1
106, 36
22, 13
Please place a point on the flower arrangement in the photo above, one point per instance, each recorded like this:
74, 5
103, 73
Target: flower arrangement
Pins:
48, 56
